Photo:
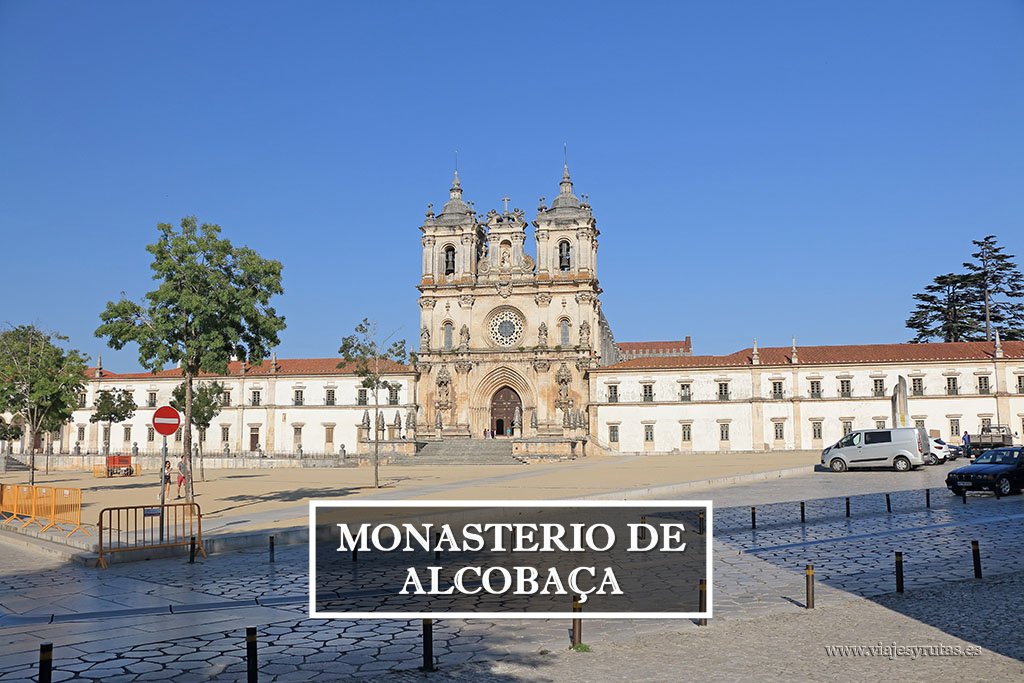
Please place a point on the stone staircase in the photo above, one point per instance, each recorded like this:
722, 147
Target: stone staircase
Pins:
464, 452
15, 465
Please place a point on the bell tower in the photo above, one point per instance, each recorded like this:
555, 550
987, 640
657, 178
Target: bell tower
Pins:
566, 236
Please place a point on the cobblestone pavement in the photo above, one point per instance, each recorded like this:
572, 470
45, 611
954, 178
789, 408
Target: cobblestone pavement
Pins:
167, 619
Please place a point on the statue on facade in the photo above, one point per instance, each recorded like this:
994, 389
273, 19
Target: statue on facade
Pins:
464, 336
506, 258
584, 333
444, 388
562, 379
542, 335
424, 339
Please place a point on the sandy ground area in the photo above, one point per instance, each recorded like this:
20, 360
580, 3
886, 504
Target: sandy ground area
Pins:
255, 494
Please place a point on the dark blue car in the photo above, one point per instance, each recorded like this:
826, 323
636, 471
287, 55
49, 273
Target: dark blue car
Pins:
1000, 470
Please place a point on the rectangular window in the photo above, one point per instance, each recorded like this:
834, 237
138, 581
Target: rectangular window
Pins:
81, 433
879, 424
954, 427
1020, 384
329, 433
815, 388
298, 397
297, 435
780, 431
983, 386
951, 386
613, 433
127, 433
330, 397
649, 433
81, 400
361, 397
151, 399
202, 436
257, 397
844, 388
225, 399
816, 430
685, 392
776, 389
986, 422
177, 434
878, 387
723, 431
687, 432
613, 393
225, 434
919, 424
847, 427
150, 435
877, 437
723, 391
106, 434
393, 395
917, 386
648, 393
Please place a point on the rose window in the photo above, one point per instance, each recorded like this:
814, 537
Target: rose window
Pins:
506, 327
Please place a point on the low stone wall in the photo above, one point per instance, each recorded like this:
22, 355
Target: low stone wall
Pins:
150, 464
548, 448
389, 447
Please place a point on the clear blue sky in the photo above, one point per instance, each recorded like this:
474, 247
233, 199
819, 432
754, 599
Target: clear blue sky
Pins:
756, 168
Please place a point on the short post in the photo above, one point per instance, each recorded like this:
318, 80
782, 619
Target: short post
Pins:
753, 517
927, 498
250, 654
702, 601
700, 523
976, 551
577, 623
355, 550
995, 490
428, 645
437, 547
192, 550
803, 513
271, 549
45, 662
899, 572
847, 506
963, 494
888, 504
809, 602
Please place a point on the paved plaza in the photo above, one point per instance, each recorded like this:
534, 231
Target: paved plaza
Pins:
166, 619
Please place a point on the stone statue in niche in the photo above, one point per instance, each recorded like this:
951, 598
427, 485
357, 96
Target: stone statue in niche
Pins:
464, 336
506, 257
584, 333
444, 389
424, 339
542, 335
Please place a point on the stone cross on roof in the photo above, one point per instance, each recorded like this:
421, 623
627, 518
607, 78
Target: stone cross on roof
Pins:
506, 199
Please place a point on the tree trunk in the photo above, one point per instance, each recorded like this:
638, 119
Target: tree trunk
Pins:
187, 441
202, 470
988, 324
376, 439
31, 454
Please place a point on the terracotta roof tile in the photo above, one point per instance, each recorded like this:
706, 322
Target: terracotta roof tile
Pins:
655, 346
285, 366
832, 355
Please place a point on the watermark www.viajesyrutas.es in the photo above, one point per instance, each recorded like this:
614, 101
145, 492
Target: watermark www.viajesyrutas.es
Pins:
894, 651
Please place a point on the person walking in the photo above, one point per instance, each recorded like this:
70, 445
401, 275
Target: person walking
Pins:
167, 479
967, 444
181, 474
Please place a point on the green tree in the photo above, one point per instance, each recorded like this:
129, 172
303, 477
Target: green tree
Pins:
206, 404
113, 405
39, 381
212, 304
997, 287
368, 357
944, 311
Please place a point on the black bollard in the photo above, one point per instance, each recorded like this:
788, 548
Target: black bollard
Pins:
803, 516
700, 523
250, 654
643, 528
428, 645
963, 494
355, 550
192, 550
847, 506
927, 498
45, 662
271, 548
809, 602
702, 601
976, 551
753, 517
888, 504
437, 547
577, 624
899, 572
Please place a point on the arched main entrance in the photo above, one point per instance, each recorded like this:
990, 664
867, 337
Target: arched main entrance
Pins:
503, 411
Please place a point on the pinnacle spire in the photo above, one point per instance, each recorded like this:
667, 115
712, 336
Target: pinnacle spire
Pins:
456, 191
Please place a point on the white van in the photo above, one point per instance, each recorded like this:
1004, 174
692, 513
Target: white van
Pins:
902, 449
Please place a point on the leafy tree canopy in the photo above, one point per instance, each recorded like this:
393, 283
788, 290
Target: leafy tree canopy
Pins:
113, 405
206, 402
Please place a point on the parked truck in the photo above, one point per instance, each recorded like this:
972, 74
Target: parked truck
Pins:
992, 436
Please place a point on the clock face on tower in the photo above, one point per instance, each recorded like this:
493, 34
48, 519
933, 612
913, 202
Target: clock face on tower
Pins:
506, 327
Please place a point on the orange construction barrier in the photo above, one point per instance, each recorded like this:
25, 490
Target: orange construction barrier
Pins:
22, 505
8, 502
138, 527
67, 509
42, 506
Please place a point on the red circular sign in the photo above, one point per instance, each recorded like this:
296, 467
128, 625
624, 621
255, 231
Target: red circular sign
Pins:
166, 420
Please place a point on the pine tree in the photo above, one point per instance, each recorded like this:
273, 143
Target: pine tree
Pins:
997, 289
944, 311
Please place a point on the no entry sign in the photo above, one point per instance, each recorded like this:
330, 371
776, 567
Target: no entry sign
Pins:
166, 420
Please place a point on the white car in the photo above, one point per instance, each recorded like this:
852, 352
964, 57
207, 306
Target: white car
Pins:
940, 452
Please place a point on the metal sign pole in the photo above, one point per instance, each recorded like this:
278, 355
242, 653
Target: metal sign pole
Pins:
163, 486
